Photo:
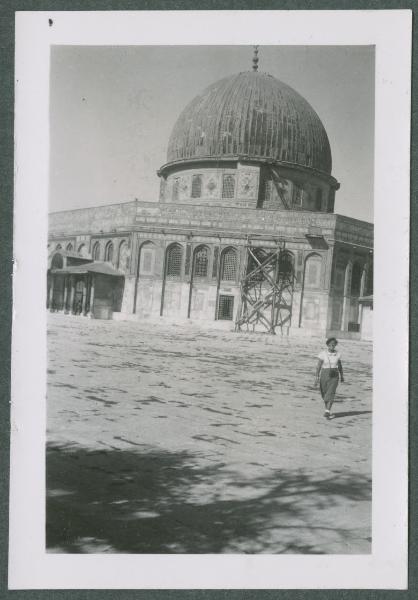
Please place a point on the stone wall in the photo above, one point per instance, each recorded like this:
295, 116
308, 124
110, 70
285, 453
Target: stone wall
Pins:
92, 220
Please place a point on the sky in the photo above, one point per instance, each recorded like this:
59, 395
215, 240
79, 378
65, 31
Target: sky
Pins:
112, 110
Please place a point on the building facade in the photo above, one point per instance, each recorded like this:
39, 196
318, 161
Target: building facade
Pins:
243, 235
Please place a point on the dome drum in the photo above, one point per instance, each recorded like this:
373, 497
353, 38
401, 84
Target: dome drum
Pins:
248, 183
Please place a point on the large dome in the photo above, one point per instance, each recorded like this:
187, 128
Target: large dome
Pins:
254, 115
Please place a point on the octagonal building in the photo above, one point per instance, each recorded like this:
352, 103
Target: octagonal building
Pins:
243, 236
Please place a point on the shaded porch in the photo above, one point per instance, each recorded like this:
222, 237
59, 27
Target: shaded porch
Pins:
93, 289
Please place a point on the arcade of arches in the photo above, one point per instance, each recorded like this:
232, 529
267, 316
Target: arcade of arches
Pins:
135, 277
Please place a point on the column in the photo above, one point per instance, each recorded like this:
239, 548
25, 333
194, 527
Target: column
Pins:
347, 297
91, 300
84, 300
65, 295
51, 294
363, 281
72, 293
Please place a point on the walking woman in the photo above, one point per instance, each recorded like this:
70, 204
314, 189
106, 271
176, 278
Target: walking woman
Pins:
328, 372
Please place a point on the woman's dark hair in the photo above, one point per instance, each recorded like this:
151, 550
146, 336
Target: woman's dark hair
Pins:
331, 339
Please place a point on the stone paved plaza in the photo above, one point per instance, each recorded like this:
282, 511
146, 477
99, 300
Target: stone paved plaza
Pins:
168, 438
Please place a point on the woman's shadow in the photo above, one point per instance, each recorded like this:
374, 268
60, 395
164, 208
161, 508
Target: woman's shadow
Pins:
351, 413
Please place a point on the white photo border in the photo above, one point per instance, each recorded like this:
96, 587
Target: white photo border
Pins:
30, 567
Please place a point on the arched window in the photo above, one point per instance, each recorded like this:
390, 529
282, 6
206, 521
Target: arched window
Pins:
109, 252
196, 186
229, 265
174, 260
82, 250
59, 247
286, 265
96, 251
313, 268
57, 261
147, 259
356, 279
200, 263
69, 247
123, 255
228, 186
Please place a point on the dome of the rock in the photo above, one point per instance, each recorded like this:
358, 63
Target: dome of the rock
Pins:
251, 115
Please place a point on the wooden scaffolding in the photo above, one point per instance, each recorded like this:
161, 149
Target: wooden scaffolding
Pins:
266, 293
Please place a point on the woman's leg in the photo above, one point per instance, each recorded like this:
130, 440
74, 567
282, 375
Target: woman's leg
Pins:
323, 386
330, 395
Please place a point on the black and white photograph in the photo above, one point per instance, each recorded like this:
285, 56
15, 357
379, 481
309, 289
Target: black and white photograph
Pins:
193, 365
208, 301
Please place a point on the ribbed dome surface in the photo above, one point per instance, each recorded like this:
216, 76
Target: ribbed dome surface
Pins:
251, 114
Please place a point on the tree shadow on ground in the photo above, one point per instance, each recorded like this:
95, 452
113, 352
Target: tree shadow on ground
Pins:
152, 501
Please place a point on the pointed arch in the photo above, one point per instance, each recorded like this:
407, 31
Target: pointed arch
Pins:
229, 262
57, 261
174, 260
200, 261
146, 263
313, 270
109, 252
123, 258
96, 251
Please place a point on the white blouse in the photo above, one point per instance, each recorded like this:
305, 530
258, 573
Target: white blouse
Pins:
330, 359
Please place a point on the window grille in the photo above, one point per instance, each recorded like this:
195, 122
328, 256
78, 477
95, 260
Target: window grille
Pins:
225, 308
201, 263
174, 258
96, 251
268, 189
228, 186
109, 252
196, 186
176, 184
299, 196
229, 265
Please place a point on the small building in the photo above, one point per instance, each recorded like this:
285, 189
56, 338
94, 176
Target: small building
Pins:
244, 233
89, 288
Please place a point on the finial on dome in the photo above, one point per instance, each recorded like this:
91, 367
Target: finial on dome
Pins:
255, 59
